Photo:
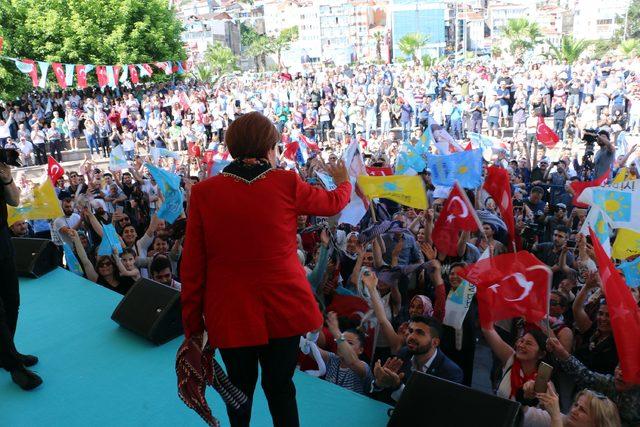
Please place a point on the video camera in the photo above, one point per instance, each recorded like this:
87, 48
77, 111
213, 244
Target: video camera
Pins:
10, 157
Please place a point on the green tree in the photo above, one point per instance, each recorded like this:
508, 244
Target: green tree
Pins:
220, 59
86, 32
632, 29
284, 40
630, 47
569, 49
523, 35
411, 43
255, 45
202, 72
378, 37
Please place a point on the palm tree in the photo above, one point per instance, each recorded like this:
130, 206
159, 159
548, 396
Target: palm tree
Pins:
220, 59
202, 72
523, 35
378, 37
284, 40
411, 43
569, 49
630, 47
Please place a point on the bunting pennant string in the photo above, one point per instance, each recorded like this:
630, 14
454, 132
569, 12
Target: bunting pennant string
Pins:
107, 75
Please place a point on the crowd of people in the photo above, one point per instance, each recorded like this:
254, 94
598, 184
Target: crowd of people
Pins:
381, 284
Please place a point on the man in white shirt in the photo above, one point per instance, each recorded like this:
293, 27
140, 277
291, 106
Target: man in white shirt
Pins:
70, 220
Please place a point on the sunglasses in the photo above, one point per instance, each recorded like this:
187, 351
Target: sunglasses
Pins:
597, 394
105, 264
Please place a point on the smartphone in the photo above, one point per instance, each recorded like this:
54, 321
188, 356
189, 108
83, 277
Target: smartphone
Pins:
571, 243
119, 209
544, 375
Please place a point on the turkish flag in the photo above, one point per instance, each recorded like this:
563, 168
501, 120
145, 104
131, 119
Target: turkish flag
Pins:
54, 170
148, 70
510, 285
175, 67
184, 101
101, 73
194, 150
457, 215
312, 146
58, 70
545, 135
81, 73
34, 71
290, 150
379, 171
1, 43
469, 147
133, 74
579, 186
116, 73
624, 314
498, 185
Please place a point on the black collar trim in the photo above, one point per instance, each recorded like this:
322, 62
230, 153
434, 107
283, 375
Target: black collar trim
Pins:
247, 173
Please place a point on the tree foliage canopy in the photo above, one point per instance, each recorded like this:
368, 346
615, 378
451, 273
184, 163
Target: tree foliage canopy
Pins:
569, 49
523, 35
411, 43
86, 32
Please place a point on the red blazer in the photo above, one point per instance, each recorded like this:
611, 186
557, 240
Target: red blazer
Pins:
241, 277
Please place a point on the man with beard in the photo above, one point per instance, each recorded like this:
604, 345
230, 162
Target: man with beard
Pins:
421, 353
62, 225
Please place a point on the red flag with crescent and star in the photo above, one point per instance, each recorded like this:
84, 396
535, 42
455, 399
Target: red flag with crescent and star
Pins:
81, 72
510, 285
545, 135
58, 70
101, 73
577, 187
457, 215
54, 170
624, 313
133, 74
497, 183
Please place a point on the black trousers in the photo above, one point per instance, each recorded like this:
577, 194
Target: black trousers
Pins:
40, 151
278, 362
9, 302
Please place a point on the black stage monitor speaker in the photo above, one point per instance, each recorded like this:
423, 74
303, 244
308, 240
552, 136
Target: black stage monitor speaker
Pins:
432, 401
152, 310
34, 257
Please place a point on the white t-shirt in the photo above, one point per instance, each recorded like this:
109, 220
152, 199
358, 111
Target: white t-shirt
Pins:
64, 221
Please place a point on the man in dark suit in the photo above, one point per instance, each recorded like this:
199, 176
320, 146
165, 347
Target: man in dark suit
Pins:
12, 361
422, 353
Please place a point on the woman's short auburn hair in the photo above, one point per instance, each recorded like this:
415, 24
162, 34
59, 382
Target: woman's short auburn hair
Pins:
251, 135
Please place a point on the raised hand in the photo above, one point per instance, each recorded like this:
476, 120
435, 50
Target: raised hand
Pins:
428, 251
332, 323
338, 172
325, 238
554, 346
369, 279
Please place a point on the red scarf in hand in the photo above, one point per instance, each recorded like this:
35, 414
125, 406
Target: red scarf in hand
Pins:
196, 368
518, 377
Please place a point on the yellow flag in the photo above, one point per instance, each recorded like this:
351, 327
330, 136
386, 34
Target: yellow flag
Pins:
404, 189
621, 176
40, 203
627, 244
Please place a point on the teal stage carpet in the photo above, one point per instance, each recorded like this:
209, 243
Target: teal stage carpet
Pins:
98, 374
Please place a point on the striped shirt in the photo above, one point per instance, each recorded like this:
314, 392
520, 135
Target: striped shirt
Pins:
345, 377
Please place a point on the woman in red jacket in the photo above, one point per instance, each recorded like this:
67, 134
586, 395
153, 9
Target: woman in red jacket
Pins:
241, 278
